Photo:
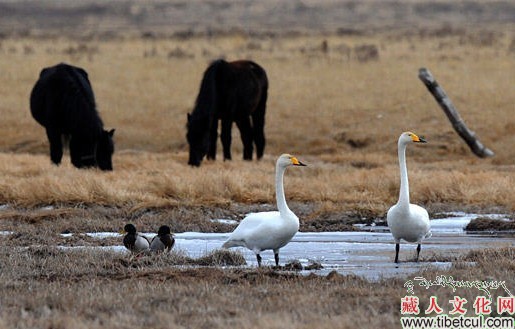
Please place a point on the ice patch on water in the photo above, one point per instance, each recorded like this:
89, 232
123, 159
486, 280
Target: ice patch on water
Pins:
457, 221
104, 235
224, 221
120, 249
368, 254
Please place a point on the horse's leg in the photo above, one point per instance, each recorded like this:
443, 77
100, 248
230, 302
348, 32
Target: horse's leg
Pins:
213, 139
226, 138
75, 153
258, 128
246, 137
56, 145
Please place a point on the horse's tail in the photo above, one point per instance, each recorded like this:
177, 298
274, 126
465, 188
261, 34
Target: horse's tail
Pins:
258, 116
263, 82
205, 105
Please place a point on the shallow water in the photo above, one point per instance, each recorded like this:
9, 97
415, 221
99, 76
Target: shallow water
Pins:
366, 254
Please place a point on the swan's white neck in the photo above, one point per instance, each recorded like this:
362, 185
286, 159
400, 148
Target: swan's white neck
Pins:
279, 191
404, 188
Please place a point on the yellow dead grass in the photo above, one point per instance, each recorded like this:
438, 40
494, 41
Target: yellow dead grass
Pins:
320, 104
164, 180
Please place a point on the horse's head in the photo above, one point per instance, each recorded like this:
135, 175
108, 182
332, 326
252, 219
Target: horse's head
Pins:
198, 138
104, 150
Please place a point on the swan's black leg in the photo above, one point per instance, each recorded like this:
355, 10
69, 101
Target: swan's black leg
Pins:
418, 250
397, 247
276, 256
258, 256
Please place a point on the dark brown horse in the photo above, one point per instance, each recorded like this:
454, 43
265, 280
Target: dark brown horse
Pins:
230, 92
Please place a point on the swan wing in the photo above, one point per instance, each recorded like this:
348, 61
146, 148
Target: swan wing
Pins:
254, 223
410, 224
261, 231
422, 218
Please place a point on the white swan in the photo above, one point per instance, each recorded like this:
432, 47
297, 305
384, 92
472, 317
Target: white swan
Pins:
407, 221
272, 229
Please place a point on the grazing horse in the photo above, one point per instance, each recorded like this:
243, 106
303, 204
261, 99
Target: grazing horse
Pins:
63, 102
230, 92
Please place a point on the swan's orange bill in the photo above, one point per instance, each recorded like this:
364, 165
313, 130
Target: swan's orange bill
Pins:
417, 139
296, 162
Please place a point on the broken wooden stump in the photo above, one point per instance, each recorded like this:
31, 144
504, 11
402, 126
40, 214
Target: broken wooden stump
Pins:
452, 114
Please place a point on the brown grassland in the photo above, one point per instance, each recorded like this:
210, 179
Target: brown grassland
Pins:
332, 103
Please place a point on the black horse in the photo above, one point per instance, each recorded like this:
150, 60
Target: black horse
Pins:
63, 102
230, 92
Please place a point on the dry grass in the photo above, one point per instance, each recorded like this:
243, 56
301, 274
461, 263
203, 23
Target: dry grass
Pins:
162, 180
340, 115
146, 98
104, 289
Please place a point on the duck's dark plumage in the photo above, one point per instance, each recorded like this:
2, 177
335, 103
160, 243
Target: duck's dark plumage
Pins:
133, 241
163, 241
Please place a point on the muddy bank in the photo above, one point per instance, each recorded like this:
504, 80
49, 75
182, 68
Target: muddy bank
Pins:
490, 225
115, 295
214, 219
118, 290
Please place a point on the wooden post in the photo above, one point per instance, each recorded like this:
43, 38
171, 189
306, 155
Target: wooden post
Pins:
452, 114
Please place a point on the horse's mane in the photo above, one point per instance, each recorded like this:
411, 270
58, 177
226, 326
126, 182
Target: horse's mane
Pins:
207, 99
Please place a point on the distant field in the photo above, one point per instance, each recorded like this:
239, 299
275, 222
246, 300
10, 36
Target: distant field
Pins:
340, 112
107, 19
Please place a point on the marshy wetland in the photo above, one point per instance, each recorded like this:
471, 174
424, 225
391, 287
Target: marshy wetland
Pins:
343, 86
